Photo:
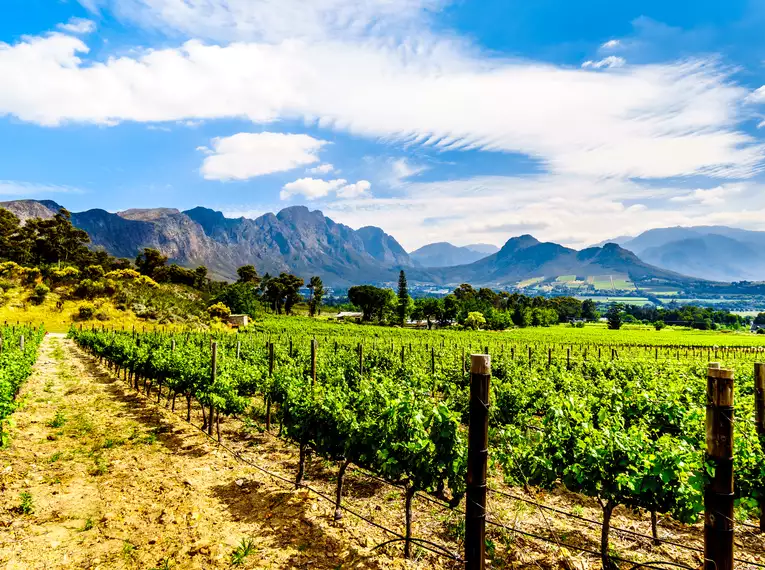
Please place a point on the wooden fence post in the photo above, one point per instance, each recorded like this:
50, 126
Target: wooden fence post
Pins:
718, 494
212, 381
21, 343
759, 406
361, 361
478, 454
270, 374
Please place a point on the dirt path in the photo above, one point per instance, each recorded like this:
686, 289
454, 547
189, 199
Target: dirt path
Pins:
96, 476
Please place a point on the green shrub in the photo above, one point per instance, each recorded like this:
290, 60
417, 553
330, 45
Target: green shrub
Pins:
89, 289
85, 313
219, 311
39, 293
94, 272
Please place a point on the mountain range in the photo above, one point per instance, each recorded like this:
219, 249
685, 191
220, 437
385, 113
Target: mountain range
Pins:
718, 253
525, 256
308, 243
295, 240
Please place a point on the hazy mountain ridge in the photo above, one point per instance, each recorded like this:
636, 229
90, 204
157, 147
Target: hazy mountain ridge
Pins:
717, 253
444, 254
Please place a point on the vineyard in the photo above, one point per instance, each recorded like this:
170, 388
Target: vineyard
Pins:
613, 416
18, 352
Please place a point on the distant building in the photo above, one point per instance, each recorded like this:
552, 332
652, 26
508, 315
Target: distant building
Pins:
349, 315
756, 327
239, 321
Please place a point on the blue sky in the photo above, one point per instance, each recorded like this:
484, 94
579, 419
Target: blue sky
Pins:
464, 121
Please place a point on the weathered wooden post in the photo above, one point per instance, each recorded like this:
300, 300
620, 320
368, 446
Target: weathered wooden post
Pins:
718, 494
478, 454
270, 374
21, 343
759, 407
213, 375
361, 360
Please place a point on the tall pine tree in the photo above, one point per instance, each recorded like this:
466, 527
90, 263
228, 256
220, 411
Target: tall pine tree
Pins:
403, 298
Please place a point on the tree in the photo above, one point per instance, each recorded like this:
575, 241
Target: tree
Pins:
590, 310
614, 316
403, 298
428, 308
63, 239
9, 230
292, 285
241, 298
370, 299
474, 320
248, 274
317, 291
200, 278
282, 292
151, 262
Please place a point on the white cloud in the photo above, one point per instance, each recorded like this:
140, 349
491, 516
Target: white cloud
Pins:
402, 169
605, 63
648, 121
269, 20
321, 169
360, 188
717, 196
611, 44
313, 188
15, 188
247, 155
78, 26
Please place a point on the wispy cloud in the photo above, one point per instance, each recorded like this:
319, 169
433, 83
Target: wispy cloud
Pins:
78, 26
605, 63
236, 20
572, 210
21, 189
321, 169
648, 121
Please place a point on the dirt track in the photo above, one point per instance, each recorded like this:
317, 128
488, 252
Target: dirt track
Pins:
116, 482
